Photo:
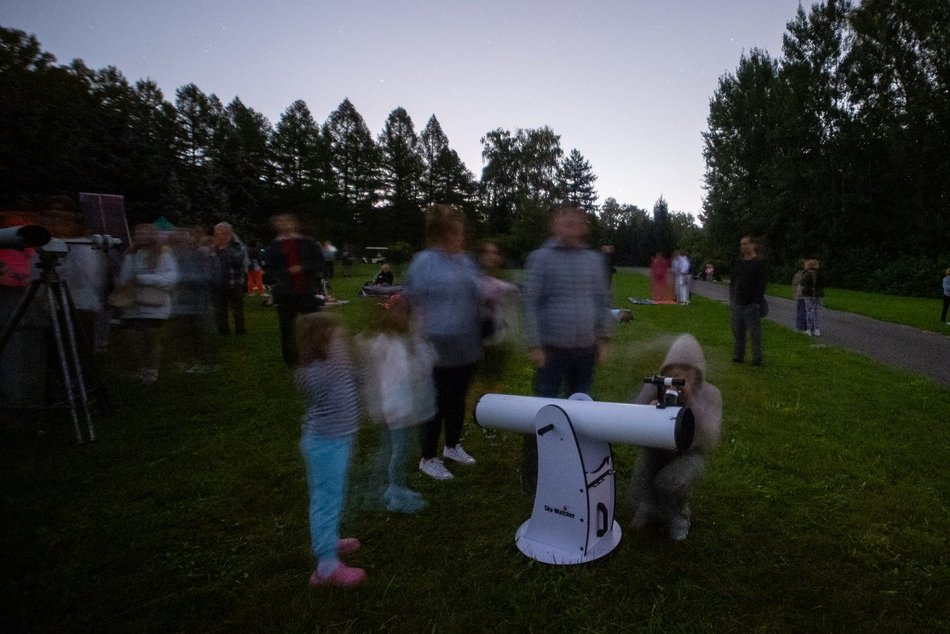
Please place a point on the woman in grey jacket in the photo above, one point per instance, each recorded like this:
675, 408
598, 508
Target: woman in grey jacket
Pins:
442, 286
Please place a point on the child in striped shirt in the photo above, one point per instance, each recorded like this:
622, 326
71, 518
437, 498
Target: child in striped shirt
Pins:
327, 378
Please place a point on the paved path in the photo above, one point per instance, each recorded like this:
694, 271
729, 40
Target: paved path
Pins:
919, 351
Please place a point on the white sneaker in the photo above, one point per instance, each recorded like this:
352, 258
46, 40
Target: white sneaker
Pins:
434, 468
457, 454
808, 332
816, 332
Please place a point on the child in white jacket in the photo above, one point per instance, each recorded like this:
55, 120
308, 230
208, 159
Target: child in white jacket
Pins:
400, 393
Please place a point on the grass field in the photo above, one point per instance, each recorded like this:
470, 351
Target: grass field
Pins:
824, 509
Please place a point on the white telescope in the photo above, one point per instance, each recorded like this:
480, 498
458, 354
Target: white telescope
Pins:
572, 520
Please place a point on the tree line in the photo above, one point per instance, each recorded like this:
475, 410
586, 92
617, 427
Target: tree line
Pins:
840, 149
198, 160
835, 150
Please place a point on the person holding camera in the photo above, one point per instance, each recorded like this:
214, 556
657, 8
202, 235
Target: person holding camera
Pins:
663, 479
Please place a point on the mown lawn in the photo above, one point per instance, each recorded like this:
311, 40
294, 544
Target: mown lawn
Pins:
824, 509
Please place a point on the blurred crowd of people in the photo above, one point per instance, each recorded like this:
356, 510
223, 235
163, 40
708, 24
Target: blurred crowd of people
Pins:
454, 320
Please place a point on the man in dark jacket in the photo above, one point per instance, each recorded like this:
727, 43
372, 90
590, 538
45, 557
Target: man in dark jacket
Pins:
229, 264
296, 266
747, 282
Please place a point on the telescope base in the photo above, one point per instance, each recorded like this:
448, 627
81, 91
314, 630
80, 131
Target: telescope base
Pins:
548, 554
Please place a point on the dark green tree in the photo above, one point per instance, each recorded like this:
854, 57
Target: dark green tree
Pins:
738, 148
808, 167
240, 163
664, 237
152, 122
45, 113
401, 177
539, 163
898, 75
520, 176
198, 116
576, 180
499, 179
354, 161
445, 178
630, 230
296, 150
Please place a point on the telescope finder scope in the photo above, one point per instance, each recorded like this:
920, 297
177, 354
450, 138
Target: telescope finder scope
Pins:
665, 381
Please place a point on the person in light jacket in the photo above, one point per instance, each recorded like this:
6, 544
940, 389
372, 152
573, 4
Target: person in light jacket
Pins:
150, 270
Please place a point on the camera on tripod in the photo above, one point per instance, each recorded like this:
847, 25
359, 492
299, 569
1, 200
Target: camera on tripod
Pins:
23, 237
34, 236
50, 286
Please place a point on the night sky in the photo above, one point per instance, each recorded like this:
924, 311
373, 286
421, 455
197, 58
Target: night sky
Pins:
627, 83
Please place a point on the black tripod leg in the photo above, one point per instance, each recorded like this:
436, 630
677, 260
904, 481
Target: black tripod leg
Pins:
77, 362
95, 386
61, 350
19, 312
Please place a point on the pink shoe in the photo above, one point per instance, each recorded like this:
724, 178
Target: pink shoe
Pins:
342, 577
347, 546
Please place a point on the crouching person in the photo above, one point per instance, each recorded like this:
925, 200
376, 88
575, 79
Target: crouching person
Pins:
663, 479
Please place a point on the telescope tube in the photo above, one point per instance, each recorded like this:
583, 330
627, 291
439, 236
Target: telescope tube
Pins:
643, 425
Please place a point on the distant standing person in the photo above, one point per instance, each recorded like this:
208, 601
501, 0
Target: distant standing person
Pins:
607, 250
681, 267
255, 269
813, 290
800, 324
662, 279
230, 268
946, 297
442, 286
500, 300
567, 319
295, 264
328, 251
747, 281
346, 259
191, 301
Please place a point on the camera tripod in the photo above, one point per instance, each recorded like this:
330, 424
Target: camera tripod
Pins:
64, 336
